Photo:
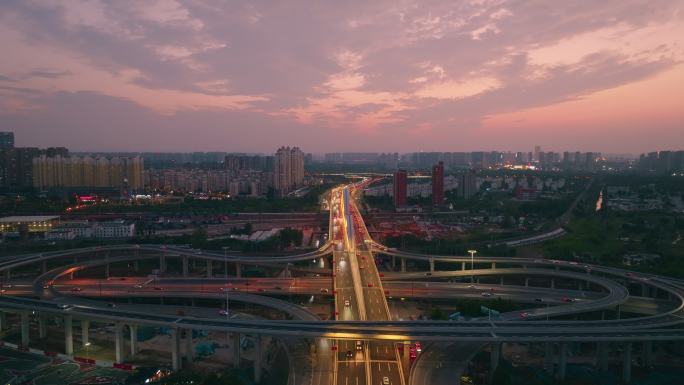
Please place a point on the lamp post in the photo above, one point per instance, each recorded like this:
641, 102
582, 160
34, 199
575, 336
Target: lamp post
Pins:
472, 262
225, 266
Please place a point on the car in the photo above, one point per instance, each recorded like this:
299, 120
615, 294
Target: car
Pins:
524, 315
346, 303
64, 306
350, 355
419, 347
324, 290
236, 288
180, 312
568, 299
412, 352
539, 300
75, 289
472, 287
573, 263
138, 286
486, 294
370, 284
223, 312
47, 286
428, 274
385, 380
278, 288
359, 345
261, 290
158, 288
111, 305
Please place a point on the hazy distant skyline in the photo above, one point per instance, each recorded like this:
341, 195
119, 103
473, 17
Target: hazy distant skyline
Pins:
350, 76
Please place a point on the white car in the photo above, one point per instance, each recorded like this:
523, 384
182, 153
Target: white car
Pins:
486, 294
385, 380
346, 303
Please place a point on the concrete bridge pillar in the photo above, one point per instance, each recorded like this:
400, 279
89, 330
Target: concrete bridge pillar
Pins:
432, 265
495, 358
175, 349
85, 331
134, 339
527, 282
257, 358
107, 270
553, 283
188, 345
210, 268
43, 266
463, 266
24, 317
501, 280
394, 263
238, 270
8, 274
162, 264
236, 350
627, 362
562, 361
548, 357
493, 265
403, 265
119, 342
136, 266
647, 353
602, 356
68, 335
185, 266
3, 321
42, 327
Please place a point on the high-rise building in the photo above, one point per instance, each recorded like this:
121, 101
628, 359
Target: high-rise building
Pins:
438, 184
125, 173
16, 166
400, 188
466, 185
537, 150
288, 173
6, 140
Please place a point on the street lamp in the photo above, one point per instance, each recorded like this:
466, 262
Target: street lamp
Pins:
472, 258
87, 345
225, 261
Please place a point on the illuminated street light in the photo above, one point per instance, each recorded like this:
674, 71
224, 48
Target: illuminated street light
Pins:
87, 345
472, 258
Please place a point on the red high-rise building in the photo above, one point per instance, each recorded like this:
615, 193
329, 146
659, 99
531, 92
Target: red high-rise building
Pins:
438, 184
400, 180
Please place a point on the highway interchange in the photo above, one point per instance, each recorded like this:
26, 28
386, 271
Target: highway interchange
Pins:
361, 311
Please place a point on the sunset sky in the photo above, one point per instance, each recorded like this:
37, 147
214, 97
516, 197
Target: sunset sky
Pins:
346, 75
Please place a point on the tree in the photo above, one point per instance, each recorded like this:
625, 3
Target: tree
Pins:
199, 238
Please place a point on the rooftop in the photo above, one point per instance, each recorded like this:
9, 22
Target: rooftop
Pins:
28, 218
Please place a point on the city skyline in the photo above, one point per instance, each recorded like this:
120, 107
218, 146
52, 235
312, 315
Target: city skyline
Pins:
186, 76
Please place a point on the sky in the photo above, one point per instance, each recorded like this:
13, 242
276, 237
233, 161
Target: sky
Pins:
353, 75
